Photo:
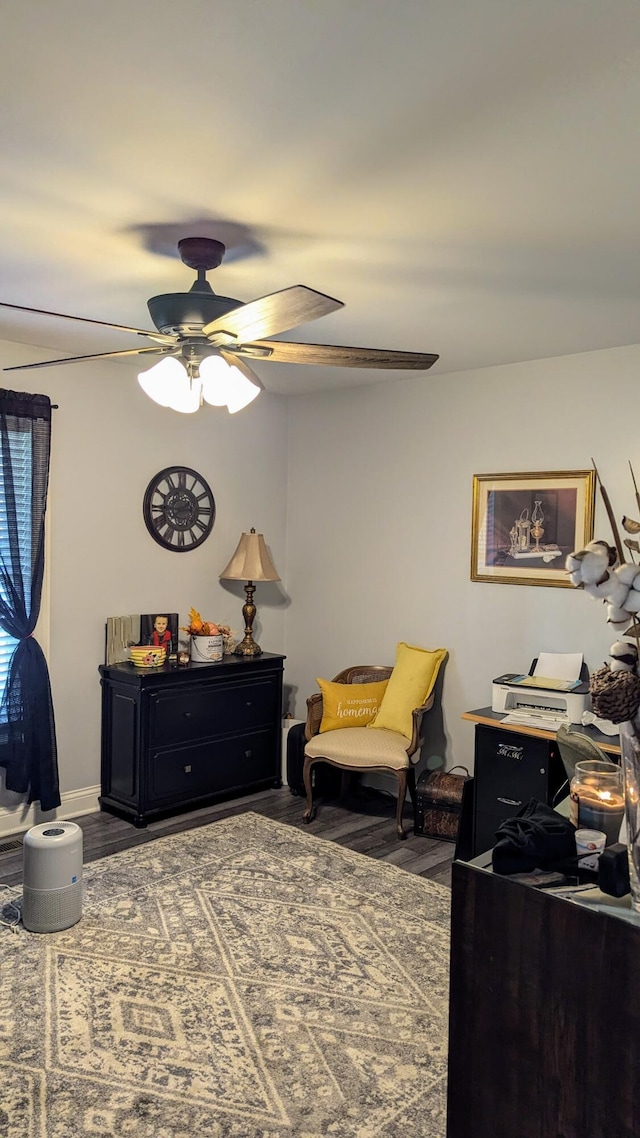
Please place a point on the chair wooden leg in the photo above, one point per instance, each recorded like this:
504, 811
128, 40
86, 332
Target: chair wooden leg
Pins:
402, 794
345, 783
412, 786
309, 813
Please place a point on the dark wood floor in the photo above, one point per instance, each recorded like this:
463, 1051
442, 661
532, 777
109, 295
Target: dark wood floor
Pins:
363, 822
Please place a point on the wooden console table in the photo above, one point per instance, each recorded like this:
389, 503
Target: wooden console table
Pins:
514, 763
544, 1025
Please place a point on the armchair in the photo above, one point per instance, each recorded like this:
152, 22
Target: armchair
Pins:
363, 748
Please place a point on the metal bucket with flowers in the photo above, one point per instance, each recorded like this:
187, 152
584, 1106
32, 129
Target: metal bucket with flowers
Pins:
208, 640
205, 639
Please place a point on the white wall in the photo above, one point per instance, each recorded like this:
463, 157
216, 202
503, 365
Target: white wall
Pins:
373, 545
379, 520
108, 440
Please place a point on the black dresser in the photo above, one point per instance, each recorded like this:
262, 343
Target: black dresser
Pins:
174, 738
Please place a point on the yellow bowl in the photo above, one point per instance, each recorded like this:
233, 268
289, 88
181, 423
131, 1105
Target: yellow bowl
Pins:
147, 656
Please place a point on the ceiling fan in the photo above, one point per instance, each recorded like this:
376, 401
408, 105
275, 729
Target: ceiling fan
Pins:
205, 339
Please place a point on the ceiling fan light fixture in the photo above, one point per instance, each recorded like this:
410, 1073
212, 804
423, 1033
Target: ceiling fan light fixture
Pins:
224, 385
168, 384
158, 381
187, 396
217, 380
243, 392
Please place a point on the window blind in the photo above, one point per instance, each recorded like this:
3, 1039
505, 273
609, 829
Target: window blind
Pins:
20, 444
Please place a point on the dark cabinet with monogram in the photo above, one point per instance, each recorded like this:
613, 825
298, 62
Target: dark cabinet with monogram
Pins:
510, 768
176, 738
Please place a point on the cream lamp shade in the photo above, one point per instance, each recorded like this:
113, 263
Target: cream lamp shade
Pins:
250, 562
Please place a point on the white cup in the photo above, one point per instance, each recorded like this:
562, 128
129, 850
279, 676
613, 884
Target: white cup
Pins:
589, 846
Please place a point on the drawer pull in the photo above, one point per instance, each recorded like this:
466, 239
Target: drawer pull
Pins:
187, 769
187, 714
247, 754
248, 703
510, 801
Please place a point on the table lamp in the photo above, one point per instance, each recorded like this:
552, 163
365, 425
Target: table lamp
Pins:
251, 562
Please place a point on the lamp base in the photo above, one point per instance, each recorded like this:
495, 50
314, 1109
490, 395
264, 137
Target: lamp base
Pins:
247, 647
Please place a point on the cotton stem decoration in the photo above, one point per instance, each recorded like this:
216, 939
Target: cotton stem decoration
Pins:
601, 571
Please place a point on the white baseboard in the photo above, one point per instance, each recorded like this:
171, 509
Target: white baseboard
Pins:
19, 818
16, 819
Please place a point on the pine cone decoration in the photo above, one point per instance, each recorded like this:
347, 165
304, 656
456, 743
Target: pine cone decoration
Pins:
615, 695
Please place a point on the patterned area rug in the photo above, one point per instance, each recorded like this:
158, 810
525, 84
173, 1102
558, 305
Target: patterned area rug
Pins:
242, 980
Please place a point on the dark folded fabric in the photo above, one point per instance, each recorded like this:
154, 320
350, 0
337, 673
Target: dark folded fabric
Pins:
535, 838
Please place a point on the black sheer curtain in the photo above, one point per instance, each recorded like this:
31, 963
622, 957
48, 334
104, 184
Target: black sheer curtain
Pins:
27, 738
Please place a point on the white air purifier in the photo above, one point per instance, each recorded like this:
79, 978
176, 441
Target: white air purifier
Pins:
52, 877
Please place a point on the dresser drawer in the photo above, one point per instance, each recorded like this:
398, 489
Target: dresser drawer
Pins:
205, 711
203, 769
509, 770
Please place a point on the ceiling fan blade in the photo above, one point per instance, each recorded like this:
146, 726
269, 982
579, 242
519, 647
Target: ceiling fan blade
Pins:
277, 312
234, 360
161, 337
96, 356
330, 355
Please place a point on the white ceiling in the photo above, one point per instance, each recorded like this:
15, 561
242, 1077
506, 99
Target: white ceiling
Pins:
462, 173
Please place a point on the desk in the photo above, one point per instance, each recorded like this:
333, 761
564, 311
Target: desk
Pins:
610, 743
514, 763
544, 1026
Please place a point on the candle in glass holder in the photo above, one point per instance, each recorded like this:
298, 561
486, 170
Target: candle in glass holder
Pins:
597, 797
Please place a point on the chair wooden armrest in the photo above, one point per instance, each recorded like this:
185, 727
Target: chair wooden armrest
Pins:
417, 736
314, 715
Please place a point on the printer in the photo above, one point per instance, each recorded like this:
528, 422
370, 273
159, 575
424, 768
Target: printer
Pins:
527, 701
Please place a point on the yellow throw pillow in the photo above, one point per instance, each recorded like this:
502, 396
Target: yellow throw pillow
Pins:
349, 705
411, 682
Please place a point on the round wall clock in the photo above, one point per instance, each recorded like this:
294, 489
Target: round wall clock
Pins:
179, 508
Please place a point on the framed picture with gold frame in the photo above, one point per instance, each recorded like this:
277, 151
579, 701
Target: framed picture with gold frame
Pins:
524, 525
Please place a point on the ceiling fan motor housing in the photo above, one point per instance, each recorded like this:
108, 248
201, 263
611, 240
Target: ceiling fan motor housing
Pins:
201, 253
186, 313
